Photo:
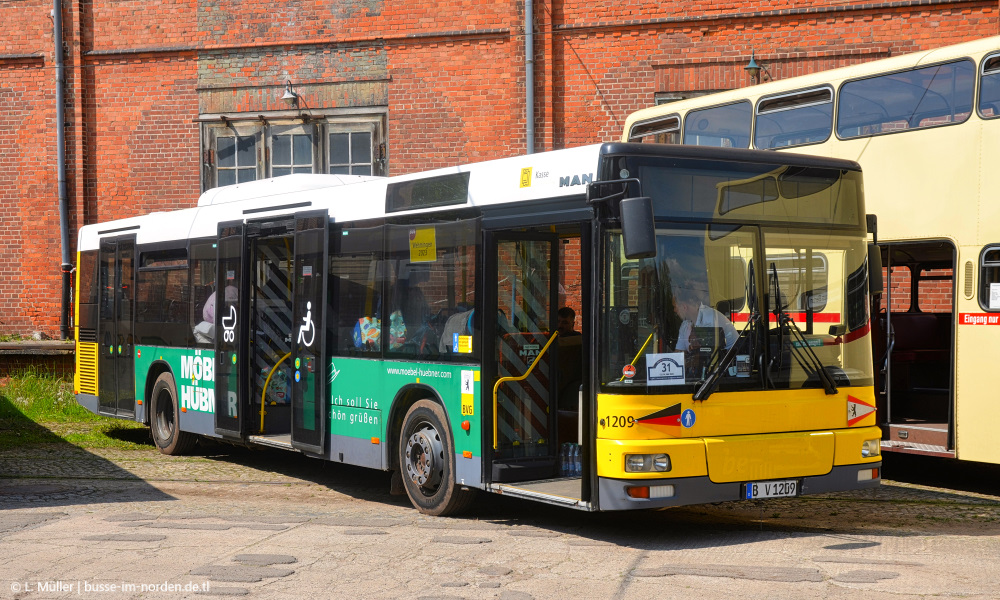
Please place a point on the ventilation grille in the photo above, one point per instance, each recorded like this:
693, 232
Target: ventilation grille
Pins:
970, 289
86, 368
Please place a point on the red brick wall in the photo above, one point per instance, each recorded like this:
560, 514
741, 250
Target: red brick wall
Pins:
451, 75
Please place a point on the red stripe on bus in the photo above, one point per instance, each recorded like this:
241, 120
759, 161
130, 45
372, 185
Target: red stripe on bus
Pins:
798, 317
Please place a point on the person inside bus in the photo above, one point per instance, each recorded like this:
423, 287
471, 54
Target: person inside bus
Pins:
567, 322
690, 304
204, 332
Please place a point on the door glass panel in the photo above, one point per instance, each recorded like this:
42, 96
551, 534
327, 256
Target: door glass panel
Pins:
308, 390
524, 325
125, 340
107, 373
228, 316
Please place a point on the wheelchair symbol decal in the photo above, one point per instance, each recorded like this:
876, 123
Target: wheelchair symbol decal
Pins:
308, 327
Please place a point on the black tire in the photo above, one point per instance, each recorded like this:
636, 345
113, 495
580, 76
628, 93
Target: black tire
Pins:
427, 462
164, 419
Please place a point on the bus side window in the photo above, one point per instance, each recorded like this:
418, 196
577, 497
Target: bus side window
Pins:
355, 291
435, 275
989, 279
989, 88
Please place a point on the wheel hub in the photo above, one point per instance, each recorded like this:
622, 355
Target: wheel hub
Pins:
423, 457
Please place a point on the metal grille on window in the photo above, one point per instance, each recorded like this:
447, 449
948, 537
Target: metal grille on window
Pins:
291, 153
351, 153
236, 159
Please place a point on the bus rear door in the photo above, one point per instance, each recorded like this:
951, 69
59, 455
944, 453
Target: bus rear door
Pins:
117, 345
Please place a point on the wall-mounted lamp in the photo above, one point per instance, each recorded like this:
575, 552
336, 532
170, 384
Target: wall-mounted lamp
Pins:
754, 68
290, 97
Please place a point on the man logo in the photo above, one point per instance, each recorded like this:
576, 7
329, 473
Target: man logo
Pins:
570, 181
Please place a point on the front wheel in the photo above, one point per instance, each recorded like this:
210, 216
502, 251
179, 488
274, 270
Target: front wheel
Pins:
164, 420
427, 462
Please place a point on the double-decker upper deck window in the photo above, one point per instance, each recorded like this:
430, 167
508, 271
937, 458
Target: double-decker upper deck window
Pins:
661, 130
924, 97
989, 87
989, 279
795, 119
726, 126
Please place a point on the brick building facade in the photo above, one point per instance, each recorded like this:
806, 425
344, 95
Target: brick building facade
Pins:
164, 100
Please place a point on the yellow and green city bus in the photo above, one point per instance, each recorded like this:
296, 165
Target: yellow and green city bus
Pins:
616, 326
923, 127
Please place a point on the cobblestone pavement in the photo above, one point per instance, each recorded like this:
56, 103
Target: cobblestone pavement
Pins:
276, 525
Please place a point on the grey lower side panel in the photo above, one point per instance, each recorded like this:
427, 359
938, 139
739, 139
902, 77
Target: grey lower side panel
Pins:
469, 471
91, 403
701, 490
202, 423
353, 451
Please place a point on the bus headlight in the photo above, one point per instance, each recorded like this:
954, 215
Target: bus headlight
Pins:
646, 463
871, 448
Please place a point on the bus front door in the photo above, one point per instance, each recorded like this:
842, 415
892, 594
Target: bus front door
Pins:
116, 367
523, 393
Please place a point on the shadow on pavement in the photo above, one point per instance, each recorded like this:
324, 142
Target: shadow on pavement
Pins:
39, 468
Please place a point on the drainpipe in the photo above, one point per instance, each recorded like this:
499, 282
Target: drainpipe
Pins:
67, 266
529, 74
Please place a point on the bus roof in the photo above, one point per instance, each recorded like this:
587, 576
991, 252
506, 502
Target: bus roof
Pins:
541, 176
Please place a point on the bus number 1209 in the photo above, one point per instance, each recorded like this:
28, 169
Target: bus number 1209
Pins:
620, 421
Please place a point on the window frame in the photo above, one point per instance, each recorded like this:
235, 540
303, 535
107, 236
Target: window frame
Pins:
838, 112
687, 121
982, 292
665, 130
764, 99
982, 74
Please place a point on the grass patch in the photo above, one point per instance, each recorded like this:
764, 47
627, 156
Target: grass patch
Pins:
38, 408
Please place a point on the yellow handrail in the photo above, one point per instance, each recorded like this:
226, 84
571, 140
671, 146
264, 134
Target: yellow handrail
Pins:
496, 386
640, 353
263, 394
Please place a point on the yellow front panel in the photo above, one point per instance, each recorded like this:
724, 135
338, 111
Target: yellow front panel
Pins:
773, 456
687, 457
849, 441
86, 368
625, 417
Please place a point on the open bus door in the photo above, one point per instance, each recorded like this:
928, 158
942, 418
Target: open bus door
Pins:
533, 377
309, 361
231, 360
116, 368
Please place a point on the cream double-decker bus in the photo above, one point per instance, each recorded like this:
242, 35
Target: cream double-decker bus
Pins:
925, 128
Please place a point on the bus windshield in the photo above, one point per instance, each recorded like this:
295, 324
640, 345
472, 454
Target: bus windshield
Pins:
709, 305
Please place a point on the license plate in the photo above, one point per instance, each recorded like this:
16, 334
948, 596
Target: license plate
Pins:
771, 489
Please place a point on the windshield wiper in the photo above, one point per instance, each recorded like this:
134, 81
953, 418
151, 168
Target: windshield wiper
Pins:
709, 384
805, 355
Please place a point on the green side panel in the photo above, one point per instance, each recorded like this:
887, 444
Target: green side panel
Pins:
362, 391
194, 374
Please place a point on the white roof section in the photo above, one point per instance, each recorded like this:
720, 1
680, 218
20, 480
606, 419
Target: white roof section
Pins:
545, 175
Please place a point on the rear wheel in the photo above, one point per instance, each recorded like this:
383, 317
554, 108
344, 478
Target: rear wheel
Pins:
164, 420
427, 462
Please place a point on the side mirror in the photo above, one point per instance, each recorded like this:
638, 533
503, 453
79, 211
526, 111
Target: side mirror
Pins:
875, 284
638, 228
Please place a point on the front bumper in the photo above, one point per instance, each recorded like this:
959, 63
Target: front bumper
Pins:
702, 490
